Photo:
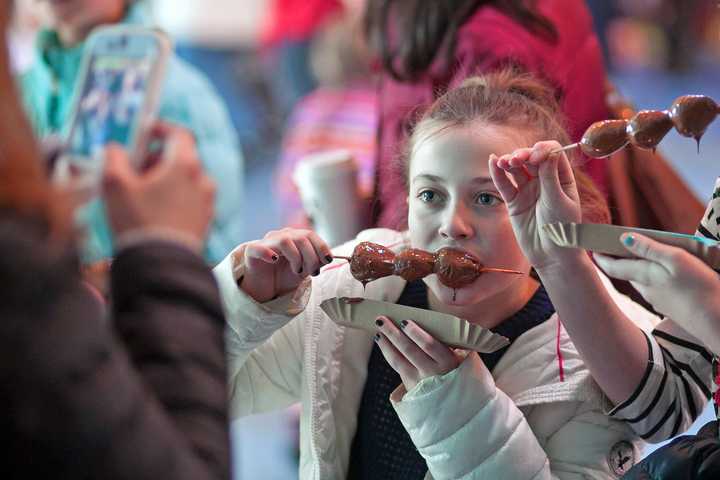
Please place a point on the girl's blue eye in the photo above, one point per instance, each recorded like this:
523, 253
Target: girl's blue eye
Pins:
487, 199
427, 196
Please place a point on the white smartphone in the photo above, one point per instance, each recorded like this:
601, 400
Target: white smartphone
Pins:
116, 99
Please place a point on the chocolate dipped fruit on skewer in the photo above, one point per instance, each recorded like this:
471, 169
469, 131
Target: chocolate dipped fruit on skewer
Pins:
457, 269
648, 127
370, 261
454, 268
413, 264
604, 138
692, 114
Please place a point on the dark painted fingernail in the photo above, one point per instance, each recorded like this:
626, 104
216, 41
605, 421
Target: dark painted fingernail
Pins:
329, 258
275, 258
379, 322
316, 273
629, 241
403, 324
376, 337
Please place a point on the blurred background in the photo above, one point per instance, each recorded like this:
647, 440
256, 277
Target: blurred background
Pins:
268, 58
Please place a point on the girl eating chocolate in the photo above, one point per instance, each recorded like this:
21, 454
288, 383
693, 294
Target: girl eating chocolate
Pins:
405, 405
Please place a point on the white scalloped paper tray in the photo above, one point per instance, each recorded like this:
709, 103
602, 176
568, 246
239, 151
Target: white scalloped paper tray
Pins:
452, 331
603, 238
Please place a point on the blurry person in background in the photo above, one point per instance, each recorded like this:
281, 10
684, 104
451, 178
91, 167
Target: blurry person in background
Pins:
220, 38
140, 395
341, 114
187, 100
603, 12
427, 47
289, 28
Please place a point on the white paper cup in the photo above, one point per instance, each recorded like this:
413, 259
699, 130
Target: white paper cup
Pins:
328, 185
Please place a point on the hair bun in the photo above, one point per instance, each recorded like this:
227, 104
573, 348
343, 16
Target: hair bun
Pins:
514, 80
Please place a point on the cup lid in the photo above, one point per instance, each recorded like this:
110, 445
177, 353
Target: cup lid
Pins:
325, 163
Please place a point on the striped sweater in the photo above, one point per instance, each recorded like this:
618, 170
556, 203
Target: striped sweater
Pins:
678, 379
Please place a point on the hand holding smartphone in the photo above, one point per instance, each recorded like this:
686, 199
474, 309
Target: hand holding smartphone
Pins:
116, 99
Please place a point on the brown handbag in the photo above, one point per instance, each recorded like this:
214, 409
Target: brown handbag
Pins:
645, 191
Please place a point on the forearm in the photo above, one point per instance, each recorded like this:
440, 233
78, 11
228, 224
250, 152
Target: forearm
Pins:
607, 339
263, 345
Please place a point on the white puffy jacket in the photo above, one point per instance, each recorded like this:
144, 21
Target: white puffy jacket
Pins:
521, 422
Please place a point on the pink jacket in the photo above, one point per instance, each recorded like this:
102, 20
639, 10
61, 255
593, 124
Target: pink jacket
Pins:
489, 40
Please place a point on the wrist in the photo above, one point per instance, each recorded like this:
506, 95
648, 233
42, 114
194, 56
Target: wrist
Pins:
132, 237
564, 266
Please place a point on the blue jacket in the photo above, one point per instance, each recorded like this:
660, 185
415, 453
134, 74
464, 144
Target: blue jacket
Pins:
188, 99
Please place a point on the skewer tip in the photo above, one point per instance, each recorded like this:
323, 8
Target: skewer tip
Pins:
501, 270
565, 148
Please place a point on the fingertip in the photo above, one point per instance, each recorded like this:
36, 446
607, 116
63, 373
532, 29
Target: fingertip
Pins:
538, 154
629, 240
515, 162
113, 148
504, 162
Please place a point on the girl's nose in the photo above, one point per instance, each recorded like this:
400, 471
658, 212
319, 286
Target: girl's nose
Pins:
457, 225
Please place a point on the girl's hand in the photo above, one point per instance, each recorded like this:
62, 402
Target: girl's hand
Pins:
278, 263
538, 188
676, 283
412, 352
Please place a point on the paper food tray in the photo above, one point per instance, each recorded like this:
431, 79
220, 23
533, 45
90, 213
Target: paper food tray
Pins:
606, 239
452, 331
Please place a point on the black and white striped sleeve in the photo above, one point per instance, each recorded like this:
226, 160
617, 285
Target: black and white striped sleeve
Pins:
675, 387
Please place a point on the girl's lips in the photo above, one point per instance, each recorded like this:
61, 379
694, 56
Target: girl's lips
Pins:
460, 250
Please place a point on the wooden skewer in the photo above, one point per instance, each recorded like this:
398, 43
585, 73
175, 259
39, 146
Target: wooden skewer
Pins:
500, 270
484, 269
565, 148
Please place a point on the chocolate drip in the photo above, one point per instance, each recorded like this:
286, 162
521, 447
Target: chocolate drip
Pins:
692, 114
371, 261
